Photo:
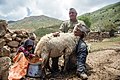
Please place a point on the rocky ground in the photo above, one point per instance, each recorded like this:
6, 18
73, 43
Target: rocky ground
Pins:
101, 65
105, 65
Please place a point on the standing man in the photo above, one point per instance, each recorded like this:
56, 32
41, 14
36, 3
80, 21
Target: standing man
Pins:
81, 49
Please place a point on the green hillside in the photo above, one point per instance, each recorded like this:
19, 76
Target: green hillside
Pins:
105, 18
33, 23
42, 31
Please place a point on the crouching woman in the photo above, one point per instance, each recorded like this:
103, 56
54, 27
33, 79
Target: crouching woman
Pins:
19, 69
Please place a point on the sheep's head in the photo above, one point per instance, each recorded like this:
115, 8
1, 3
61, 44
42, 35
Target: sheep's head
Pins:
81, 27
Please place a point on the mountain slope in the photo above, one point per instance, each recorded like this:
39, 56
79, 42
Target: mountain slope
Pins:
104, 18
34, 22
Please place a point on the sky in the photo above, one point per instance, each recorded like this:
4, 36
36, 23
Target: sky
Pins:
18, 9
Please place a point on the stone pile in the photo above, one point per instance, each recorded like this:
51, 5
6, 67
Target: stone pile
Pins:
11, 40
9, 43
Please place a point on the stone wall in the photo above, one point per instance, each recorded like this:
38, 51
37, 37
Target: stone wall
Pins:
11, 40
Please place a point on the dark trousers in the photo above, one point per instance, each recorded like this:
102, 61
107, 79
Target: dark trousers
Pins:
55, 67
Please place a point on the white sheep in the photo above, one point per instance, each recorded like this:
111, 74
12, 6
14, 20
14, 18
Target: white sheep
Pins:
50, 46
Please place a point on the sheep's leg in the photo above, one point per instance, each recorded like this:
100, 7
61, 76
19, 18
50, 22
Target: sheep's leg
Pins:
48, 66
45, 58
43, 74
65, 63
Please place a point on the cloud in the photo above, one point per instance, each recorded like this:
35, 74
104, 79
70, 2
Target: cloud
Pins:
57, 9
12, 10
85, 6
2, 2
28, 12
18, 9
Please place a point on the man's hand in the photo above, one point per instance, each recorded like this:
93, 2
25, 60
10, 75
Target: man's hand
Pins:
56, 34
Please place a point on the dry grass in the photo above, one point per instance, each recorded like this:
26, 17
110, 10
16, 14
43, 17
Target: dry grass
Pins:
109, 43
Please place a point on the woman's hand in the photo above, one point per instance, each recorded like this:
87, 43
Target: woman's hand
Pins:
31, 55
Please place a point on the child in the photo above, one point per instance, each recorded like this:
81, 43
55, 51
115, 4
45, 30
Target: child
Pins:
27, 48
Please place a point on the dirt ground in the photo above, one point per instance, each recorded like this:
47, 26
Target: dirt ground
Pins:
103, 64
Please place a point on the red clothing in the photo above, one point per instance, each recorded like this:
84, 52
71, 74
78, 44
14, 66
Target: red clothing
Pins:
23, 48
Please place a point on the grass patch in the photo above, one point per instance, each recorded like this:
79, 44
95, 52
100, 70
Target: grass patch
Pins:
110, 43
43, 31
115, 39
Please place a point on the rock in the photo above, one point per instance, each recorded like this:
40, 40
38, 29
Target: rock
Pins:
2, 43
14, 36
13, 44
8, 37
5, 63
5, 51
18, 39
18, 31
32, 36
3, 28
13, 50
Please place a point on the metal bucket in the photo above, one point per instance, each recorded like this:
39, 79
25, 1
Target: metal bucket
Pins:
34, 71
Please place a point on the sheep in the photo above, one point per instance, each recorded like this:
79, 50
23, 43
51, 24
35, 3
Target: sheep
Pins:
50, 46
